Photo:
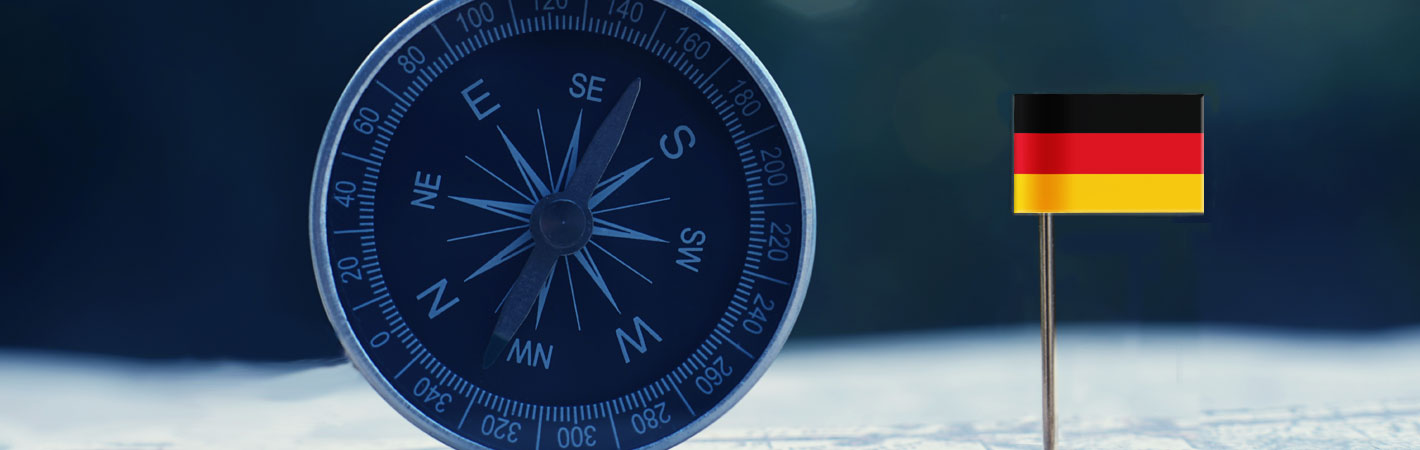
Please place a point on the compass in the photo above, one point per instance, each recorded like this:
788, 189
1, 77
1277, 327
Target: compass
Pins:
562, 223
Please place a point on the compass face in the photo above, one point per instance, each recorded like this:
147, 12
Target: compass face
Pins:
562, 223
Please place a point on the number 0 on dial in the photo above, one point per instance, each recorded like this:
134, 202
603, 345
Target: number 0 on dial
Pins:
562, 223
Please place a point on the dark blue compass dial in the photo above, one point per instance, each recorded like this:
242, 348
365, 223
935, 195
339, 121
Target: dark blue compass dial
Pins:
562, 223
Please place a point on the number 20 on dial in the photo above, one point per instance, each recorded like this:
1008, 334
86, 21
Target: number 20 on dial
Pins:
562, 223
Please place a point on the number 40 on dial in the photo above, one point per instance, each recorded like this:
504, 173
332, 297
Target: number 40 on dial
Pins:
562, 223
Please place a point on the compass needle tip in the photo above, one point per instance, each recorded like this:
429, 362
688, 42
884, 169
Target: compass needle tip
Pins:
496, 344
666, 156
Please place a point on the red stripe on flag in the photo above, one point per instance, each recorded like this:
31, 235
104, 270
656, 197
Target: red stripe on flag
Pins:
1102, 153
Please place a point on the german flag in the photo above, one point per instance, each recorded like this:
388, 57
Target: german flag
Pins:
1108, 153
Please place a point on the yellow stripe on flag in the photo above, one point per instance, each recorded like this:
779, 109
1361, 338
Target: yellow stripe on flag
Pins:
1109, 193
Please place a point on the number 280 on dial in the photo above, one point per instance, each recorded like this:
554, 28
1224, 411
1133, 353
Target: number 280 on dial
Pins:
562, 223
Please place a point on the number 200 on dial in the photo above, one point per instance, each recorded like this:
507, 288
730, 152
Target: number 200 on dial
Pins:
562, 223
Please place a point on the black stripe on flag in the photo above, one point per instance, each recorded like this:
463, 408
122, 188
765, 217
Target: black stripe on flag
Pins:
1108, 113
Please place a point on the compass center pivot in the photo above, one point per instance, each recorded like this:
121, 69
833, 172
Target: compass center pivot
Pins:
562, 223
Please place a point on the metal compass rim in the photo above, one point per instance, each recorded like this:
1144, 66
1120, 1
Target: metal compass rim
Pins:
345, 107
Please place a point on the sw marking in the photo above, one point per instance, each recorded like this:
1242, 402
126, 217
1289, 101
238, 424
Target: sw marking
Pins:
691, 260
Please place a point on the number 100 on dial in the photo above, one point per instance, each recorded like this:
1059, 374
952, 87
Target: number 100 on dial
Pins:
562, 223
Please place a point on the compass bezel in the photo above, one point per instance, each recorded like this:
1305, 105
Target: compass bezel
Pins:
345, 107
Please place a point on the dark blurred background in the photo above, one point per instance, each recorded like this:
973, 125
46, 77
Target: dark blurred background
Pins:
157, 158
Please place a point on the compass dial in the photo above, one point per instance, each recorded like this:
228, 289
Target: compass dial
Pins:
562, 223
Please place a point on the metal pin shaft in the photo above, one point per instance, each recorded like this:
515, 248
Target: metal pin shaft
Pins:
1047, 328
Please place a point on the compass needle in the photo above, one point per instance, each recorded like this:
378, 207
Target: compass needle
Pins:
561, 223
673, 190
519, 301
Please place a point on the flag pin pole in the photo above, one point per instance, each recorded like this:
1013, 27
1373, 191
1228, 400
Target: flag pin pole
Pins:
1047, 328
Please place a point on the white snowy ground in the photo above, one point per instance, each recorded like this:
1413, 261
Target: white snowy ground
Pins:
1120, 387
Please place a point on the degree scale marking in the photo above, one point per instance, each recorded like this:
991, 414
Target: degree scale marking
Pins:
665, 54
664, 51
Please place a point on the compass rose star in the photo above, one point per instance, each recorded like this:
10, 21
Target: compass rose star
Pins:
495, 163
538, 185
